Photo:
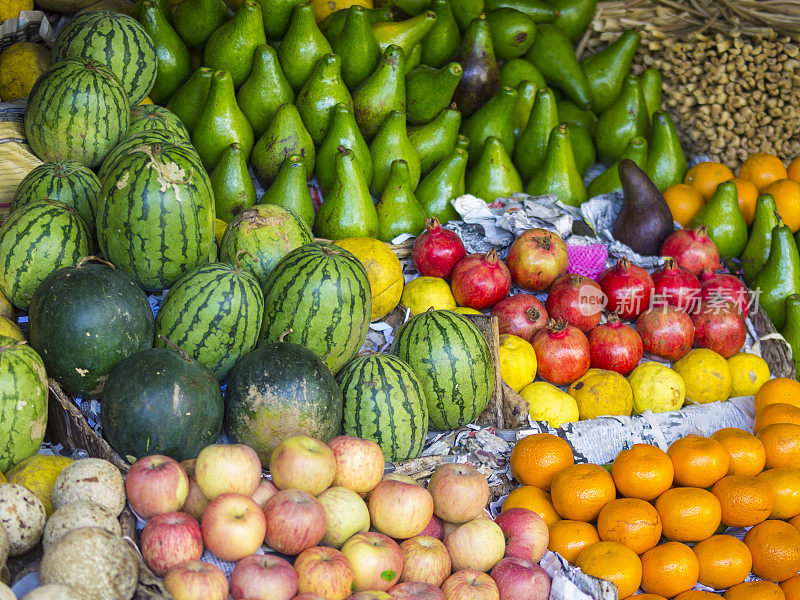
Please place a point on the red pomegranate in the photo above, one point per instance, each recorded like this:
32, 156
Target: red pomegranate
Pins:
719, 326
724, 286
676, 285
480, 280
692, 249
577, 300
562, 352
666, 332
436, 251
536, 258
615, 346
628, 289
521, 315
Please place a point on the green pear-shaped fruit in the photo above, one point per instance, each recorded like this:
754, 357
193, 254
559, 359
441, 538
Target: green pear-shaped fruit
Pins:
276, 16
724, 221
494, 175
162, 5
230, 180
323, 90
780, 275
286, 135
221, 123
526, 96
537, 11
357, 47
406, 34
553, 55
574, 16
462, 142
480, 79
381, 93
429, 91
624, 120
398, 209
174, 63
342, 132
570, 113
188, 101
264, 90
196, 20
391, 143
513, 72
409, 7
756, 251
791, 330
466, 11
608, 181
233, 45
444, 183
493, 119
582, 147
666, 163
302, 46
290, 190
651, 88
414, 59
443, 39
531, 148
559, 175
436, 140
348, 210
333, 24
606, 70
512, 32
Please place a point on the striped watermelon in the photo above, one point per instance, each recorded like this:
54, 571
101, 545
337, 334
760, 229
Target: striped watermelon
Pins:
268, 232
153, 136
23, 402
155, 215
321, 293
115, 40
77, 111
37, 239
454, 363
384, 401
152, 117
214, 313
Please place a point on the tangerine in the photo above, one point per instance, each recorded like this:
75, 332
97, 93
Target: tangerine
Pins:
762, 169
696, 595
748, 194
745, 451
631, 522
782, 443
535, 499
688, 514
791, 588
684, 202
644, 471
706, 176
775, 546
755, 590
580, 491
795, 522
698, 461
613, 562
787, 200
784, 482
780, 389
776, 413
669, 569
569, 538
536, 459
793, 170
724, 561
745, 500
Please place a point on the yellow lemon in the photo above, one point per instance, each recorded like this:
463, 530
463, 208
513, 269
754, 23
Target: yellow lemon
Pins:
463, 310
600, 392
10, 9
384, 271
219, 230
748, 373
656, 387
20, 67
323, 8
9, 329
38, 473
423, 293
548, 403
706, 374
146, 100
517, 361
6, 309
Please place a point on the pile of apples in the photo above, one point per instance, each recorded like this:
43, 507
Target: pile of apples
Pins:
339, 527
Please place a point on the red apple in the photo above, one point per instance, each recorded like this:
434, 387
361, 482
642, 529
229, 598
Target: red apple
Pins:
170, 540
227, 468
233, 526
265, 490
434, 528
394, 477
519, 579
400, 510
371, 595
156, 485
416, 591
197, 580
263, 577
302, 463
448, 528
526, 533
460, 492
196, 501
346, 515
359, 463
324, 571
425, 560
377, 560
470, 585
295, 521
476, 545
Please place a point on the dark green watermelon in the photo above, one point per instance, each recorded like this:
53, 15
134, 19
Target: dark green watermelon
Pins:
143, 138
84, 320
152, 117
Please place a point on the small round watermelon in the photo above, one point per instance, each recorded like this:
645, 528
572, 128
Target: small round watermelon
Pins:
143, 138
152, 117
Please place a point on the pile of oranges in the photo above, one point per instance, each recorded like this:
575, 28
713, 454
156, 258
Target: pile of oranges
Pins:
656, 519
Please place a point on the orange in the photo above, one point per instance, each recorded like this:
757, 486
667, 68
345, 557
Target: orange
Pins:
696, 595
613, 562
580, 491
782, 443
784, 482
698, 461
669, 569
688, 514
791, 588
780, 389
755, 590
793, 171
684, 202
745, 451
776, 413
706, 176
536, 459
745, 500
631, 522
643, 472
795, 522
762, 169
724, 561
569, 538
775, 546
787, 200
647, 597
535, 499
748, 194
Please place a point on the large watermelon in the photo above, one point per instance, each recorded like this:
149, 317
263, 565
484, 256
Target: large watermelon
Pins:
158, 401
268, 232
454, 363
320, 294
152, 137
23, 402
155, 216
214, 313
277, 391
84, 320
37, 239
115, 40
152, 117
384, 401
77, 111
